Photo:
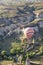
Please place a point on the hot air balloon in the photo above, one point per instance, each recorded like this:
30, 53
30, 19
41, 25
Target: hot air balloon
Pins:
28, 32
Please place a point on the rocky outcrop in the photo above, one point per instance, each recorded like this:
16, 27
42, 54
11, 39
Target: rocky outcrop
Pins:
40, 15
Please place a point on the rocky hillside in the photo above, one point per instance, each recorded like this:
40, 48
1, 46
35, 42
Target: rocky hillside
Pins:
9, 2
14, 18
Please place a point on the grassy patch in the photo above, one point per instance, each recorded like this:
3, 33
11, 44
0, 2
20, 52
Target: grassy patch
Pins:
6, 62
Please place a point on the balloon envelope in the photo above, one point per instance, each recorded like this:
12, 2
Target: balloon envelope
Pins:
29, 32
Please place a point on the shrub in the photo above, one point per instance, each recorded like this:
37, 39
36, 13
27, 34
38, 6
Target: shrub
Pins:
3, 53
13, 51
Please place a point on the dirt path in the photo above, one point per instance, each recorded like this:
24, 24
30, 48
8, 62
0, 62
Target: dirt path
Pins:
36, 62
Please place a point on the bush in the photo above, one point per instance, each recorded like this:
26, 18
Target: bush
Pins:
31, 54
3, 53
13, 51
